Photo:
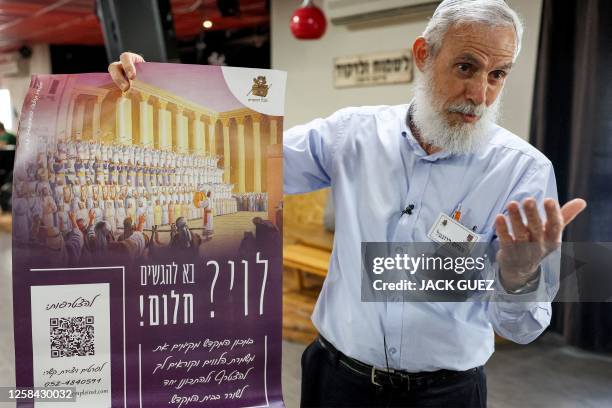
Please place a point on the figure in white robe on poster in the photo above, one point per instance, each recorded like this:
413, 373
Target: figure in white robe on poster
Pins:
146, 177
80, 150
147, 157
141, 208
131, 173
104, 152
109, 213
130, 206
115, 154
165, 214
120, 214
97, 212
98, 171
208, 215
149, 215
157, 213
70, 171
88, 194
160, 176
92, 151
139, 175
82, 213
88, 169
122, 169
112, 175
79, 168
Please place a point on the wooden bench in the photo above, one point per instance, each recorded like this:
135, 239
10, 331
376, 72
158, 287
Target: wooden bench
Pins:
306, 259
6, 222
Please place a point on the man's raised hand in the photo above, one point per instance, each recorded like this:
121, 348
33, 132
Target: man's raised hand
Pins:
522, 251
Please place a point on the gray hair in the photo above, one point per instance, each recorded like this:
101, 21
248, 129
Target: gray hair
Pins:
494, 13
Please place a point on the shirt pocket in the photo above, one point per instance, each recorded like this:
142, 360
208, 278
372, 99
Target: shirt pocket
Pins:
486, 236
485, 247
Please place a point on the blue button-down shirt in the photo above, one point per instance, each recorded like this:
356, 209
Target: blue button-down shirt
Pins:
376, 168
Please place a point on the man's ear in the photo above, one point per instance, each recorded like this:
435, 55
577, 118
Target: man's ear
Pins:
420, 53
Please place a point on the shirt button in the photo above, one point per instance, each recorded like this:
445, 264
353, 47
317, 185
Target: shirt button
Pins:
404, 134
392, 350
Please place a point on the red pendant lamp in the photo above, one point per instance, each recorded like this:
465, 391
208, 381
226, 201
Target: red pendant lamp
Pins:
308, 22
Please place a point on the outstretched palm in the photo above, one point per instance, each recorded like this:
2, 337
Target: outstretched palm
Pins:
522, 250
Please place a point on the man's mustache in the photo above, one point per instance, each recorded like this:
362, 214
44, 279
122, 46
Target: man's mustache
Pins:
468, 109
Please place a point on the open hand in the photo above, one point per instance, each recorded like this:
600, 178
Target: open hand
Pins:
522, 251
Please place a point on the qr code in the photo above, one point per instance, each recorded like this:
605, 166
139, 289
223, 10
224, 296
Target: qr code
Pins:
72, 336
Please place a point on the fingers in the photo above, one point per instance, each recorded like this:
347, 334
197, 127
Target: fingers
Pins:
571, 209
124, 70
519, 230
558, 218
534, 223
501, 229
128, 61
554, 220
118, 76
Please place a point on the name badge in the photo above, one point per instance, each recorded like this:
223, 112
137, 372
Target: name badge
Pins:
446, 230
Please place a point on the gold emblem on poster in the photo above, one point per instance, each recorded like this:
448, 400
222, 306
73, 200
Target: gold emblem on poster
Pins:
260, 86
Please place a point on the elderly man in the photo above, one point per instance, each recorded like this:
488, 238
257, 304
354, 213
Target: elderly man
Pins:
440, 155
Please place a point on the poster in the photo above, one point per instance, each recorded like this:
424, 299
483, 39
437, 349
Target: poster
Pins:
146, 238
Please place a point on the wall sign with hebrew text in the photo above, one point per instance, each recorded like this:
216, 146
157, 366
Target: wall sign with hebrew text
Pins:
394, 67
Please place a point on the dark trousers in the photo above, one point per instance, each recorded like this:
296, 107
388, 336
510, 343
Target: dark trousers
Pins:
327, 382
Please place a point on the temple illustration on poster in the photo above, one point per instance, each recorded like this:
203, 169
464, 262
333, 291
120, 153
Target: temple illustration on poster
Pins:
164, 155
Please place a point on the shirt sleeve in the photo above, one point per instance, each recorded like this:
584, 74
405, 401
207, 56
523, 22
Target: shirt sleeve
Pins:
309, 151
523, 317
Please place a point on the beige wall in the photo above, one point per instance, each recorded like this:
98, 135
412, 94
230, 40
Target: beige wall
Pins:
310, 91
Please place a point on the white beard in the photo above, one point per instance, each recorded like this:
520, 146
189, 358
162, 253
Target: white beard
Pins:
434, 129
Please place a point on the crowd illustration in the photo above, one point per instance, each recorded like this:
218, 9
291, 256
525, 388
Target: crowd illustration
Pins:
75, 192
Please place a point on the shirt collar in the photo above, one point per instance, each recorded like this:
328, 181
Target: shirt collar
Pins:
413, 144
